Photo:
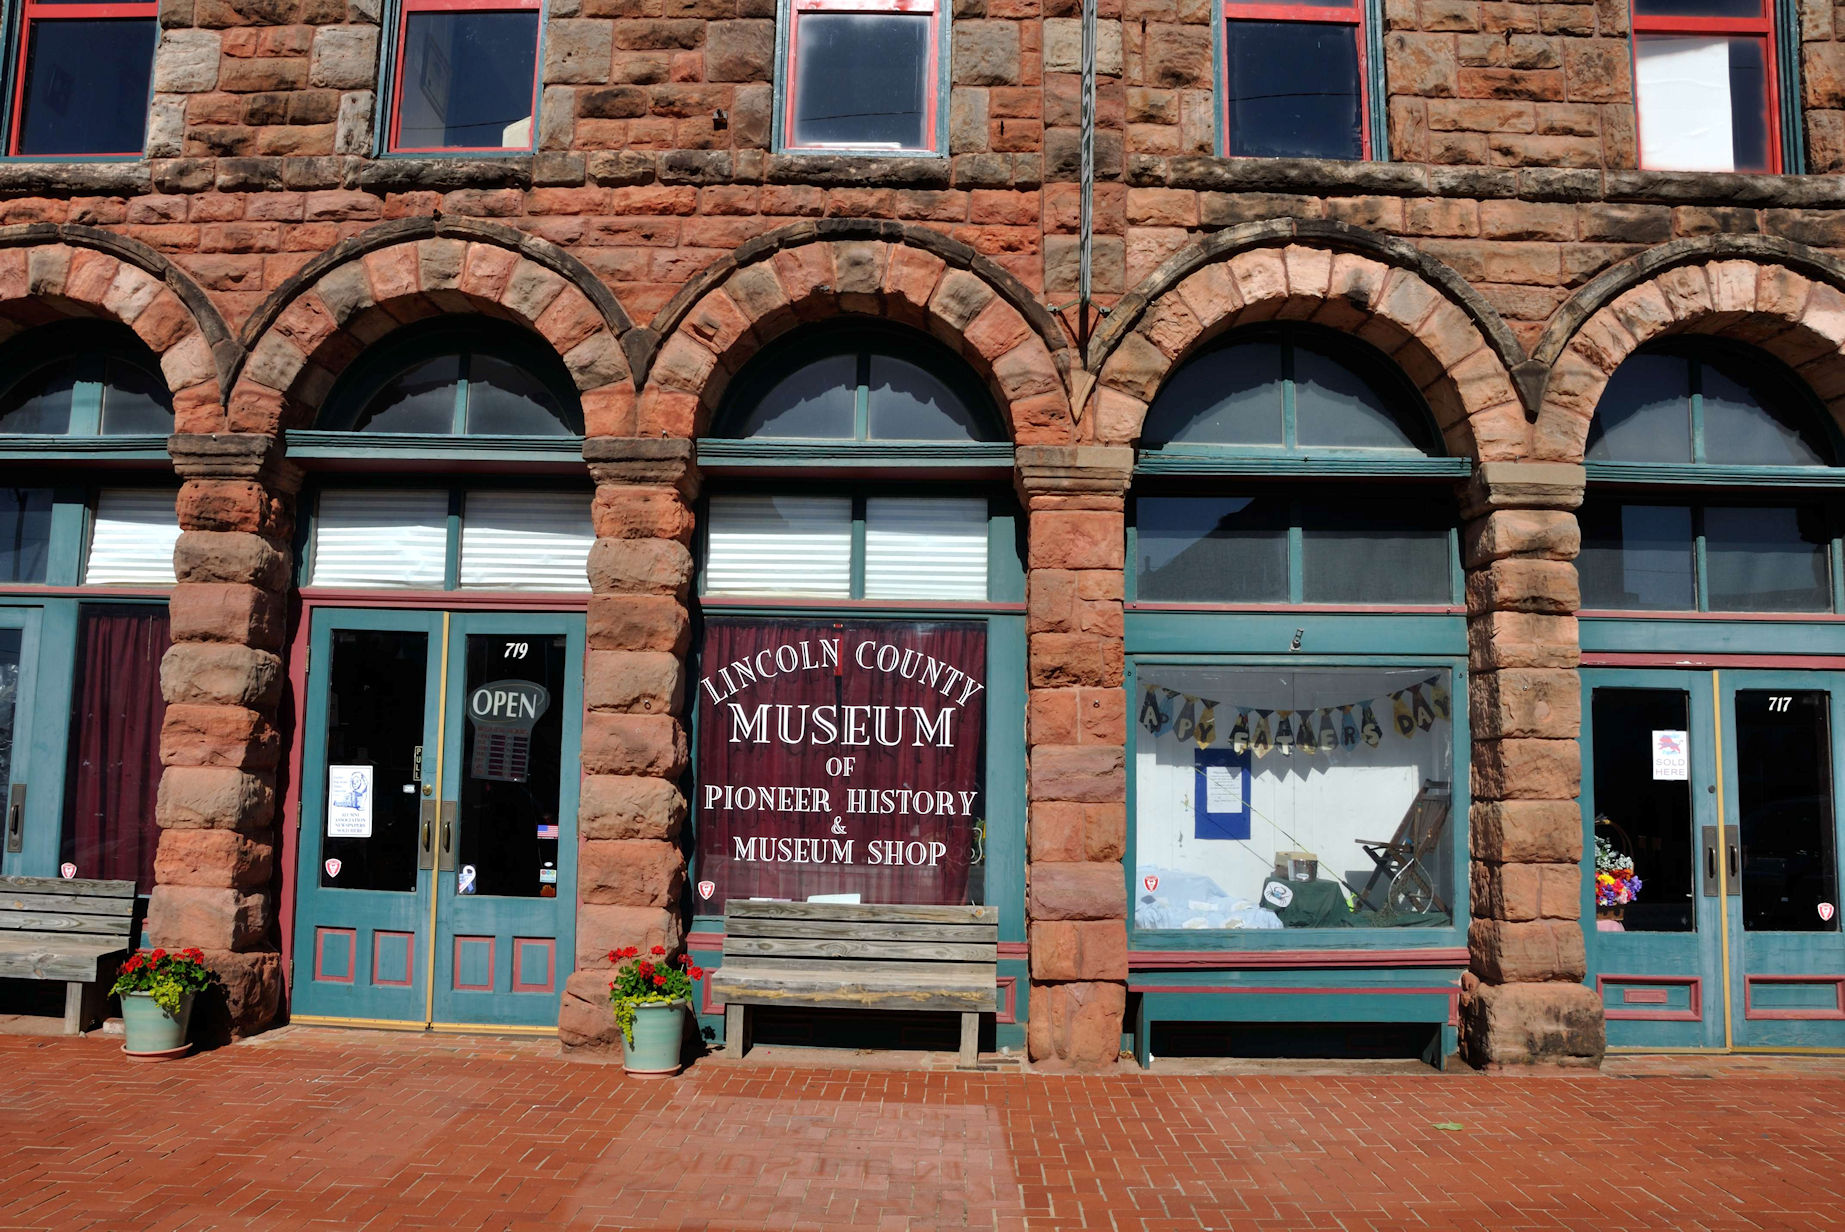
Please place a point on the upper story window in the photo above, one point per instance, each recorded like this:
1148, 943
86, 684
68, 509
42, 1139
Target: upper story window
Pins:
457, 379
1705, 85
464, 76
1295, 79
863, 75
83, 379
81, 78
1712, 487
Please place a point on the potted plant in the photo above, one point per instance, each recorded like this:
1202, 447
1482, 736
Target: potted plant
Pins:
651, 997
157, 988
1616, 885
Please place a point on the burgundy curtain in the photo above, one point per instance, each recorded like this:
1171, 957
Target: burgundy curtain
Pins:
115, 743
839, 757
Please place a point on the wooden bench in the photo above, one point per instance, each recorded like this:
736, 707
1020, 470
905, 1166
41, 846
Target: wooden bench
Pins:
861, 957
51, 929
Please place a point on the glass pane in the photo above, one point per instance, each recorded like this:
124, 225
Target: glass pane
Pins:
925, 548
1230, 396
861, 80
526, 541
1749, 421
779, 545
1767, 559
40, 404
375, 709
467, 81
1645, 412
908, 402
86, 86
506, 400
116, 714
132, 537
1377, 551
1293, 89
135, 401
814, 401
1221, 549
1640, 816
1785, 811
1317, 798
387, 539
1636, 556
1703, 102
512, 764
420, 401
1334, 406
25, 533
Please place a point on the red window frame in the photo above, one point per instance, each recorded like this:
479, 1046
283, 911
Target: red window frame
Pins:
408, 7
1351, 13
49, 10
1761, 27
931, 80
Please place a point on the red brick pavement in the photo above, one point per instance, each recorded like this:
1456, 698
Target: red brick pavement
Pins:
321, 1129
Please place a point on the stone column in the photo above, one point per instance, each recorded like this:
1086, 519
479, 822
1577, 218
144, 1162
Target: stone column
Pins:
1523, 1000
214, 871
630, 862
1077, 731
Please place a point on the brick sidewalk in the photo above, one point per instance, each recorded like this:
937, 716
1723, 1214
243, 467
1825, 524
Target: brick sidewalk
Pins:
323, 1129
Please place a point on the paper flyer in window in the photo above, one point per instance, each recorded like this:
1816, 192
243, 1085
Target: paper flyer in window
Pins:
1683, 88
349, 801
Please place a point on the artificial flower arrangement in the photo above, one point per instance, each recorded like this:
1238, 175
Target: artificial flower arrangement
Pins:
1616, 883
165, 975
648, 981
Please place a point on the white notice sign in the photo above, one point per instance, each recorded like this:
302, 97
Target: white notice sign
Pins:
1670, 760
1683, 86
1223, 789
349, 801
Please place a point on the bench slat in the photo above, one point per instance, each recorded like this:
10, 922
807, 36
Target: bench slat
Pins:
878, 913
67, 941
824, 948
50, 922
861, 994
73, 904
922, 972
58, 885
59, 960
867, 931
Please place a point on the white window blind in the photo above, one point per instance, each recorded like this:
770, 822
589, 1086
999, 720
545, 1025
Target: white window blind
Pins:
526, 540
779, 545
922, 548
132, 538
392, 539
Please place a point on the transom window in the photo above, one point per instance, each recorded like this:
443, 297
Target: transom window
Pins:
1733, 423
434, 539
83, 380
1705, 85
458, 380
863, 75
81, 78
1295, 79
465, 76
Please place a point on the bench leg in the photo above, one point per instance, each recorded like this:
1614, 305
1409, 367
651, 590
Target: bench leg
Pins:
736, 1029
74, 1007
970, 1041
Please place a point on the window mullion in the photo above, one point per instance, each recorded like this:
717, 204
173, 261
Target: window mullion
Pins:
857, 586
1699, 574
861, 399
459, 425
451, 566
1288, 434
86, 399
1697, 410
1296, 583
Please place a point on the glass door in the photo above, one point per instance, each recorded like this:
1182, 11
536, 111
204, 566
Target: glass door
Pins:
31, 822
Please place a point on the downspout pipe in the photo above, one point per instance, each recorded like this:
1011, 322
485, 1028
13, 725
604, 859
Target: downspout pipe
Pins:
1086, 207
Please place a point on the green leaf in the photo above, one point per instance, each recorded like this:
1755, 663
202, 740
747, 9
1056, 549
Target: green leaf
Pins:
1453, 1127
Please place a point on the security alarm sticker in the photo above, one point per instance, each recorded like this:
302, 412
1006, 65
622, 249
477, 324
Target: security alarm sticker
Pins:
503, 713
707, 888
349, 801
1151, 881
547, 875
1825, 912
67, 871
1670, 760
333, 868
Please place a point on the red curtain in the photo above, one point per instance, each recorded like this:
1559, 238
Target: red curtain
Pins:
839, 757
115, 743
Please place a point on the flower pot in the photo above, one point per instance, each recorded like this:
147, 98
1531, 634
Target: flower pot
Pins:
659, 1029
153, 1034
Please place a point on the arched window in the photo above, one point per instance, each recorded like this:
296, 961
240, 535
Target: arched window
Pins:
1296, 652
1687, 443
859, 562
83, 379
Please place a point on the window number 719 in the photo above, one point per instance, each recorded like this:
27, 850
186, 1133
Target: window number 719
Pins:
1779, 702
517, 650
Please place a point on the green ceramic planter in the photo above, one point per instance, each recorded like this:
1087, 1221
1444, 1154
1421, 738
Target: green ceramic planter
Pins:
153, 1034
658, 1032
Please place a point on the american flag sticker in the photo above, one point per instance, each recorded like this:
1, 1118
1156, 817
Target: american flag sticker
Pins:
547, 831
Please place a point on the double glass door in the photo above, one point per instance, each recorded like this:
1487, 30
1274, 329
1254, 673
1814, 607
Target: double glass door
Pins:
1719, 787
438, 817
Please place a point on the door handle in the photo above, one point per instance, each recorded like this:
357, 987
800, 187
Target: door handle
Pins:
1710, 861
1735, 856
16, 818
445, 853
426, 840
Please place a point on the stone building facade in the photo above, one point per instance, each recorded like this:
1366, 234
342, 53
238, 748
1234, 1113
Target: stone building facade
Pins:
1506, 256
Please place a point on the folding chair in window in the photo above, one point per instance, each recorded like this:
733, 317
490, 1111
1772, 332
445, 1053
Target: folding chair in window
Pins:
1406, 863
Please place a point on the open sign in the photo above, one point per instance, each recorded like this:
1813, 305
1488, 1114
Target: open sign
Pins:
509, 703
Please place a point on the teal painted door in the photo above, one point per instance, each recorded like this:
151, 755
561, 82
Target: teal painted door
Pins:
31, 821
437, 873
1734, 939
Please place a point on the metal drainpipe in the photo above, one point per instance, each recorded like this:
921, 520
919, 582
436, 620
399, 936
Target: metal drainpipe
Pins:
1086, 214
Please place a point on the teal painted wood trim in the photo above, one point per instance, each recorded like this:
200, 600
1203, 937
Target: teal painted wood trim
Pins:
21, 447
1202, 460
1704, 475
719, 455
1006, 785
1005, 553
1377, 84
1305, 940
1303, 1006
306, 444
41, 723
1646, 634
1378, 978
70, 537
1787, 66
1179, 634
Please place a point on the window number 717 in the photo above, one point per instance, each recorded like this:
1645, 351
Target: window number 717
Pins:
1779, 702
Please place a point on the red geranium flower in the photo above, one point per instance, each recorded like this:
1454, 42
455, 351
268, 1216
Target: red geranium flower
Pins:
159, 954
659, 949
659, 981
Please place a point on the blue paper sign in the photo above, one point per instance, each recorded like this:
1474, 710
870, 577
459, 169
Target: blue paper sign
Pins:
1220, 794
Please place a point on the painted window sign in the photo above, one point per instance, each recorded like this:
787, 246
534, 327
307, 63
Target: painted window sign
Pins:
862, 75
840, 758
82, 78
1336, 781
